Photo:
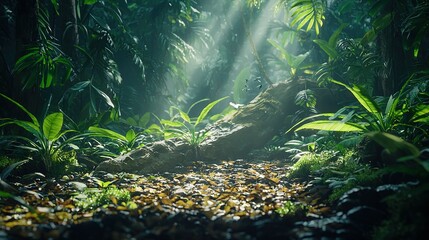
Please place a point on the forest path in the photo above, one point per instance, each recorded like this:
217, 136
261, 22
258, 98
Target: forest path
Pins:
228, 200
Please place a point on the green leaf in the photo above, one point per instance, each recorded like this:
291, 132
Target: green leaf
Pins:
80, 86
421, 114
327, 48
171, 123
368, 37
334, 37
5, 172
309, 118
33, 118
130, 135
18, 199
103, 132
28, 126
383, 22
329, 125
366, 101
394, 145
184, 116
306, 98
195, 103
207, 109
105, 96
52, 125
144, 120
90, 2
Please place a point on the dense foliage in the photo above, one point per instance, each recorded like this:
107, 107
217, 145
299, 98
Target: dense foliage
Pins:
82, 81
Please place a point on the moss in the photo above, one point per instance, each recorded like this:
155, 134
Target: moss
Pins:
310, 163
91, 199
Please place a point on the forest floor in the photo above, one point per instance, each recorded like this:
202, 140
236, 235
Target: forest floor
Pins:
229, 200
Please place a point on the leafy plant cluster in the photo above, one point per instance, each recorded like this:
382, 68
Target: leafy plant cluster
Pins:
182, 126
56, 149
290, 208
91, 198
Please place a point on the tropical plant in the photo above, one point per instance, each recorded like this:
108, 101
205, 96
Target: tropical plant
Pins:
310, 13
49, 142
189, 129
7, 190
290, 208
43, 64
124, 143
91, 198
373, 118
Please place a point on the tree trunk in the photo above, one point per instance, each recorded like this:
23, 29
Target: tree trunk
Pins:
232, 137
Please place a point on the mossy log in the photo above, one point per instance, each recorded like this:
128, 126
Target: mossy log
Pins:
234, 136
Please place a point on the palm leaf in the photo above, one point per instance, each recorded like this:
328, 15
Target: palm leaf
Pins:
308, 12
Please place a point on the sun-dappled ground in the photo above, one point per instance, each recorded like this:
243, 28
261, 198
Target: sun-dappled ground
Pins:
233, 199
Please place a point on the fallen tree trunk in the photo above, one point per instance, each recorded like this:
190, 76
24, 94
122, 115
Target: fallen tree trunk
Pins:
234, 136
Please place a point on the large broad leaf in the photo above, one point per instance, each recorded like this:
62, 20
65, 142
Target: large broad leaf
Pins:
207, 109
33, 118
130, 135
102, 132
52, 125
395, 145
308, 119
334, 126
366, 101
